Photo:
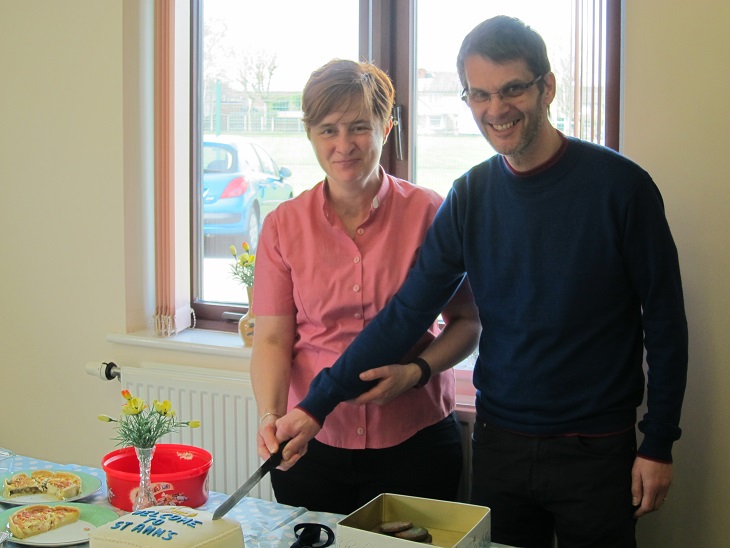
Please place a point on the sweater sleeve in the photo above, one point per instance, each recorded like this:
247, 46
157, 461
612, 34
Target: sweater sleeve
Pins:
654, 267
430, 284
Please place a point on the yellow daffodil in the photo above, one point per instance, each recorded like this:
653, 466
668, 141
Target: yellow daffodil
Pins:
140, 428
243, 267
164, 408
134, 406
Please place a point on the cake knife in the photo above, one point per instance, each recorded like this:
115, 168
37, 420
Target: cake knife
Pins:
272, 462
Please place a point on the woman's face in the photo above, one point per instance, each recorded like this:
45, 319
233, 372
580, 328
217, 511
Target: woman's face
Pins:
348, 146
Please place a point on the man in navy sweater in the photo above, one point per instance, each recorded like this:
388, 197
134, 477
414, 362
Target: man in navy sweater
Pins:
575, 273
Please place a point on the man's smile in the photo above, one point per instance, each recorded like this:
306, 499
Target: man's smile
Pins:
502, 127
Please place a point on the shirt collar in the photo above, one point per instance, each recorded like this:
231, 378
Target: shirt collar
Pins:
378, 201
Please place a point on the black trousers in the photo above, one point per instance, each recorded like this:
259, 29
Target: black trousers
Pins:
329, 479
575, 487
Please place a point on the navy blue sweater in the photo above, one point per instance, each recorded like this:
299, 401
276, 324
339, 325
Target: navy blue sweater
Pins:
575, 274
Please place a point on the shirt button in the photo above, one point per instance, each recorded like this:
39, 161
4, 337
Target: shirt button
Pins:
356, 260
360, 431
358, 316
356, 288
361, 231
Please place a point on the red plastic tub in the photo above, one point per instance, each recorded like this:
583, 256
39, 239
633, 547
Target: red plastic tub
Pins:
179, 475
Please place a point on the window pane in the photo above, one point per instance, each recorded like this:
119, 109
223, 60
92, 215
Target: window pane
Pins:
256, 59
447, 141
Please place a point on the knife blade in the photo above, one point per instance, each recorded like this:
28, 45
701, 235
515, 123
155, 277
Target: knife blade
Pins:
272, 462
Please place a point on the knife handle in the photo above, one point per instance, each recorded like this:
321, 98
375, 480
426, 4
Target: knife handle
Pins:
277, 457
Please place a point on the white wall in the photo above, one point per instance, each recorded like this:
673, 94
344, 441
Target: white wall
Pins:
71, 273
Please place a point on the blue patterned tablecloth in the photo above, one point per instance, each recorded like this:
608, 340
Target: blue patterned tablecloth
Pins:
265, 524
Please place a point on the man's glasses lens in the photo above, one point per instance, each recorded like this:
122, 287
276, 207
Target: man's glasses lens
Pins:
507, 92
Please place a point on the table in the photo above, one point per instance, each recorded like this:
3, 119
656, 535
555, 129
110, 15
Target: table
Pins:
265, 524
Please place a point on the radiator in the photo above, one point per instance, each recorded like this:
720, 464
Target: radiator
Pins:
224, 404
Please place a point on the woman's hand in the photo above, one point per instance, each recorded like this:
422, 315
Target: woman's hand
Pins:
266, 442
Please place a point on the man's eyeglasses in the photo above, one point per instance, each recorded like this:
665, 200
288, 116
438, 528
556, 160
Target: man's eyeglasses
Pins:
511, 91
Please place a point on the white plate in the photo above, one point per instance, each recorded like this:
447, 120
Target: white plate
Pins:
89, 485
74, 533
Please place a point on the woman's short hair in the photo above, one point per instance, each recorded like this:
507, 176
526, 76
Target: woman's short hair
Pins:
503, 39
341, 85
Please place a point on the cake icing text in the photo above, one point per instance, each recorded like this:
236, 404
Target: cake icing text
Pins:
155, 522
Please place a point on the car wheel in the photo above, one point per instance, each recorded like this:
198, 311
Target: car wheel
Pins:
254, 228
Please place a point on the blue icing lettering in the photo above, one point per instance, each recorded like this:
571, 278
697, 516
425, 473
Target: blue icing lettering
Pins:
162, 534
151, 513
122, 525
190, 522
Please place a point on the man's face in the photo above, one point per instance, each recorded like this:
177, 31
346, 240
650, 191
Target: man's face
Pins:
515, 127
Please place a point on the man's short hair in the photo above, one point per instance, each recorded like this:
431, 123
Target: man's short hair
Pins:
502, 39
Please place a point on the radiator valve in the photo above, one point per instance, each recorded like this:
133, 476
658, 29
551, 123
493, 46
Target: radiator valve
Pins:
106, 371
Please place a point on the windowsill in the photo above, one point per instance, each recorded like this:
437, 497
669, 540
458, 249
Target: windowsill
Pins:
220, 343
201, 341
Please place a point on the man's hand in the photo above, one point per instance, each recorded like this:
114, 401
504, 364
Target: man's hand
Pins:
650, 481
393, 380
298, 427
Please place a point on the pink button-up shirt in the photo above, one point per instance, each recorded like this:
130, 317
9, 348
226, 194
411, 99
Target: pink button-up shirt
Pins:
307, 265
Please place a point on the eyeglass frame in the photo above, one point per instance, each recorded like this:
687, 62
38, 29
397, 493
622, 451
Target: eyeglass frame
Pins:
522, 89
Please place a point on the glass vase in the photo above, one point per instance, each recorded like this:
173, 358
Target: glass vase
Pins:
145, 494
248, 321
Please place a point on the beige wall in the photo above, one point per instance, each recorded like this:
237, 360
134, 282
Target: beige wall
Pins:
71, 273
74, 208
675, 123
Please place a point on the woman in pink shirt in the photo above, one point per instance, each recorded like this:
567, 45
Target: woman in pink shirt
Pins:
327, 262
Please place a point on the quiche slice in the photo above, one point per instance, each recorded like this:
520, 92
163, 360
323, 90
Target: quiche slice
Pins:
63, 485
20, 484
59, 485
41, 518
41, 476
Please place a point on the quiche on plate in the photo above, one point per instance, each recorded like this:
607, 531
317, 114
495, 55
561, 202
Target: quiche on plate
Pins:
41, 518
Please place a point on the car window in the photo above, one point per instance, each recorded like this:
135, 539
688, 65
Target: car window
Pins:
247, 158
216, 159
267, 164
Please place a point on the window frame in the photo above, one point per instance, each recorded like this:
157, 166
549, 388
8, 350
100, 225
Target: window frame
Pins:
392, 47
